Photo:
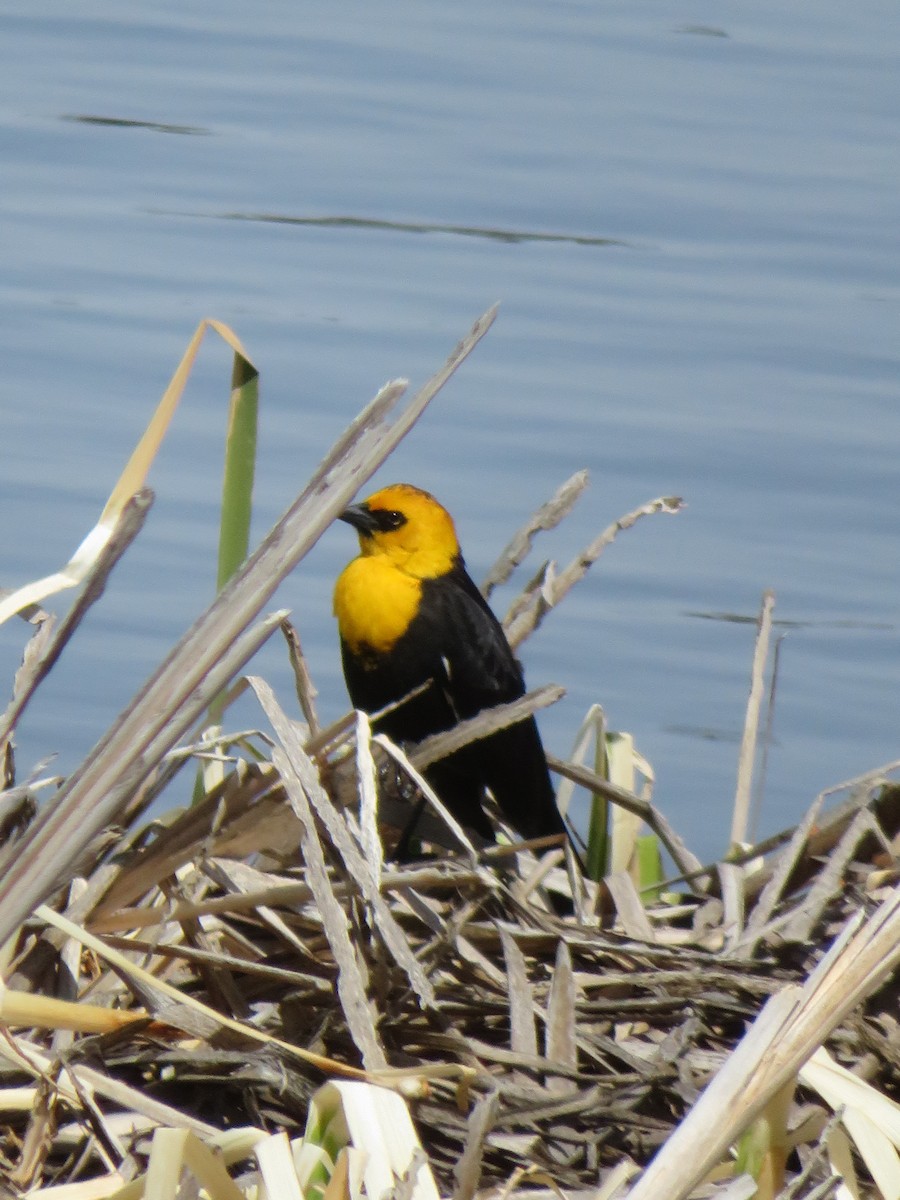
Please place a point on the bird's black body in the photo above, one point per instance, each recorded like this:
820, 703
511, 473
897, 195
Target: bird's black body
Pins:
454, 642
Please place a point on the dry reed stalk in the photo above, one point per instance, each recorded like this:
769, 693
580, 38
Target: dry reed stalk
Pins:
547, 517
791, 1026
40, 661
546, 591
741, 815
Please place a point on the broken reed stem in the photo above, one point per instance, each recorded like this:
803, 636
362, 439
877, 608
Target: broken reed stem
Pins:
741, 816
548, 589
759, 789
548, 516
306, 689
128, 525
485, 723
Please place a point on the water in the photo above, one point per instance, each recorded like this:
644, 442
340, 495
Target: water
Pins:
689, 216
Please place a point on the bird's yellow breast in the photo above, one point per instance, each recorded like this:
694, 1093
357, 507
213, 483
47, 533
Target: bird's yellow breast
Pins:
375, 602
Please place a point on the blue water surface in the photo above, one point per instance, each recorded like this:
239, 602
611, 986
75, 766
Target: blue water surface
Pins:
689, 216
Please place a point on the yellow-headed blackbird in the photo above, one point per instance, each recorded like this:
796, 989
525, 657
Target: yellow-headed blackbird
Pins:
408, 613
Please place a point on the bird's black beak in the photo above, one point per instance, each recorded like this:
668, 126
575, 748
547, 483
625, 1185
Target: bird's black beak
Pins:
361, 518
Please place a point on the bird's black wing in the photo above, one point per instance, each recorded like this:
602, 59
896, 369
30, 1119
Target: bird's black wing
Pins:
455, 642
477, 668
480, 671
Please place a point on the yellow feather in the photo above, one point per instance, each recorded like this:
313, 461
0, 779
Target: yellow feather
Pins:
378, 594
374, 602
426, 544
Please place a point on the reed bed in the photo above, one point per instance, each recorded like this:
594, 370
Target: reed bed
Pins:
217, 982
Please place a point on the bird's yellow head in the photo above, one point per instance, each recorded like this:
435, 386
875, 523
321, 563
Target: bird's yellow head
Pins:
407, 526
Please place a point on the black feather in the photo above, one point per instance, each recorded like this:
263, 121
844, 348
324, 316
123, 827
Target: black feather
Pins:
455, 642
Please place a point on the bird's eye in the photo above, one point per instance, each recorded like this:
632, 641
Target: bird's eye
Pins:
391, 519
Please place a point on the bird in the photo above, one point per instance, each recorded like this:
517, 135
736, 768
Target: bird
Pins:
409, 615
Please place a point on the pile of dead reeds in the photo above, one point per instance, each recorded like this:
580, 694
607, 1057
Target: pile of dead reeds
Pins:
177, 990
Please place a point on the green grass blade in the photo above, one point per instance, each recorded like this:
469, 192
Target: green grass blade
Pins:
650, 868
237, 488
598, 842
240, 467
